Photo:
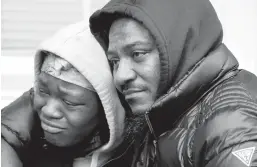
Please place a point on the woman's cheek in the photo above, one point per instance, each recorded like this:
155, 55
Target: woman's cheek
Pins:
39, 101
78, 116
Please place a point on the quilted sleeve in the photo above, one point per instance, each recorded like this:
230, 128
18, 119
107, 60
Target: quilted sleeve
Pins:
228, 138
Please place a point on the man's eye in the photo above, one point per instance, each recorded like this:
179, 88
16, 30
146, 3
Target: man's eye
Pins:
138, 54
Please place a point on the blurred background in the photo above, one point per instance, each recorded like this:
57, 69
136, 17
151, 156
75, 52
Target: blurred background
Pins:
25, 23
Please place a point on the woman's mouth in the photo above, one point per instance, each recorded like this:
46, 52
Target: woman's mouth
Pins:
50, 128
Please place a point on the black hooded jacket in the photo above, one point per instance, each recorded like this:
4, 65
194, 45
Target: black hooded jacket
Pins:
206, 115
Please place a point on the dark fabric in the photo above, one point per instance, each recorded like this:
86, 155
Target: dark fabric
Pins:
185, 31
207, 108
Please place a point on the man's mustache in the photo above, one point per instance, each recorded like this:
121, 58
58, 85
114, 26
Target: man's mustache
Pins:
131, 86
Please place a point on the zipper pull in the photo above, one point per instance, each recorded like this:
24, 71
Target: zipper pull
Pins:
155, 147
150, 125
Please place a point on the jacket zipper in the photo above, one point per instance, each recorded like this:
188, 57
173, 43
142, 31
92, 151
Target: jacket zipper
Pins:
150, 125
152, 132
119, 155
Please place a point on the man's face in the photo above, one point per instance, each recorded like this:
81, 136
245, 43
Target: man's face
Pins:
68, 112
135, 61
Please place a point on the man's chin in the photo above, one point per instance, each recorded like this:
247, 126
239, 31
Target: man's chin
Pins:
139, 105
138, 109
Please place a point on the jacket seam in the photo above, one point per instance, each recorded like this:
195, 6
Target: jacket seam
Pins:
246, 91
182, 79
15, 133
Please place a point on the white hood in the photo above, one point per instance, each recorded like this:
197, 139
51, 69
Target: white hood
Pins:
76, 45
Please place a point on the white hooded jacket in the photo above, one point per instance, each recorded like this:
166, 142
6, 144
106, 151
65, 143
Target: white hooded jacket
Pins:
77, 46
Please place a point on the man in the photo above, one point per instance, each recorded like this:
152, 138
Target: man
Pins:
74, 116
169, 62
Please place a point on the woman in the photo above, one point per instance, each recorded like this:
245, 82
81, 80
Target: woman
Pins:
73, 117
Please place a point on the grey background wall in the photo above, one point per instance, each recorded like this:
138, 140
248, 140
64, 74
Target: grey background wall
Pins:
25, 23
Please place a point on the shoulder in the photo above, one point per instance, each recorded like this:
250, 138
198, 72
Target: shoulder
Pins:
230, 121
17, 120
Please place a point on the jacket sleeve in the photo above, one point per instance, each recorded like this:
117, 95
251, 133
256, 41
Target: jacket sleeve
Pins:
9, 156
17, 121
228, 138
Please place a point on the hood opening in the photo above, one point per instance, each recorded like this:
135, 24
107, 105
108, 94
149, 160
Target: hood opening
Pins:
185, 31
100, 29
76, 45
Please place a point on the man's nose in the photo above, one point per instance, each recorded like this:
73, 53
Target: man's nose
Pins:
52, 110
124, 73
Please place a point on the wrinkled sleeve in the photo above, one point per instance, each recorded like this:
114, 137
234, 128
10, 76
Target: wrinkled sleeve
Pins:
228, 138
17, 121
240, 155
8, 156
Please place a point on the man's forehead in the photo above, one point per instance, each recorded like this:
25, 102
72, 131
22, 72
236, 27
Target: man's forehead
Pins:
128, 31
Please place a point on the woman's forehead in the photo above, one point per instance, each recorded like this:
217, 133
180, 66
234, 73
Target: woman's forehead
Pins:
62, 69
57, 85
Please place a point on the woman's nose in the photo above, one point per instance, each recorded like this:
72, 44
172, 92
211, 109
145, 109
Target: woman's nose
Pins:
52, 110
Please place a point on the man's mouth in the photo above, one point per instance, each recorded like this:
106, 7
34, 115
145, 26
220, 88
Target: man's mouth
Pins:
131, 93
51, 128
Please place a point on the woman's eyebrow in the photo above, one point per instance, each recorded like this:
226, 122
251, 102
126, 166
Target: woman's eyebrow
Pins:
68, 91
42, 82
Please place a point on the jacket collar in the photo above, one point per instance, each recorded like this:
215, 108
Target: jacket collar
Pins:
206, 74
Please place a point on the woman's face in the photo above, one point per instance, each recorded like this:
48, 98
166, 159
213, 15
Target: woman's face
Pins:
68, 113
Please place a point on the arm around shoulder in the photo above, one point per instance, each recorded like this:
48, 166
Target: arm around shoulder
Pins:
17, 122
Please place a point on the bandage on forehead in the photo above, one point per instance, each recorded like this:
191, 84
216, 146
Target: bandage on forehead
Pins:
61, 69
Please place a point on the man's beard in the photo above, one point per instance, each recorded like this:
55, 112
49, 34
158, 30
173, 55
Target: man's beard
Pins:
135, 126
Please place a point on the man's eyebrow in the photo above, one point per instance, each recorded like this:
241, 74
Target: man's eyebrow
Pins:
131, 45
111, 51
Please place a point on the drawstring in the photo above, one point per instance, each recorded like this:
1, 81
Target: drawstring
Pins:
94, 159
155, 143
150, 125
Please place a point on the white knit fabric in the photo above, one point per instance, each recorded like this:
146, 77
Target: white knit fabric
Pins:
61, 69
76, 45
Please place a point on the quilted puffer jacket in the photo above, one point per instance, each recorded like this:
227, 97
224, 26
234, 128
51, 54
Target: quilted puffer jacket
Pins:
206, 115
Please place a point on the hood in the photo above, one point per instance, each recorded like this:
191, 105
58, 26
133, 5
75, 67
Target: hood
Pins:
77, 45
189, 35
185, 31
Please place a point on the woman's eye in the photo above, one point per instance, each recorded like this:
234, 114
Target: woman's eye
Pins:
69, 103
43, 91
